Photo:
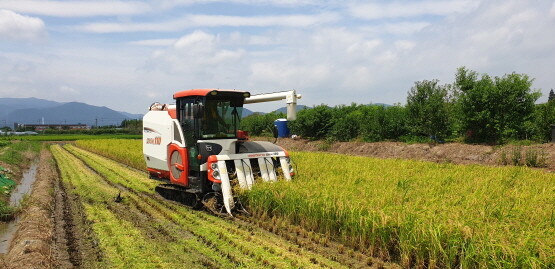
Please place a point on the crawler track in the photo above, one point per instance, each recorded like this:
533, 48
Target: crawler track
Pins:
163, 233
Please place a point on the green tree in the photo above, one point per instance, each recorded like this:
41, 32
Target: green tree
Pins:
544, 118
427, 108
258, 123
380, 122
346, 122
314, 123
494, 110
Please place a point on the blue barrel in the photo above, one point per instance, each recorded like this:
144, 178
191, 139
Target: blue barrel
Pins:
283, 129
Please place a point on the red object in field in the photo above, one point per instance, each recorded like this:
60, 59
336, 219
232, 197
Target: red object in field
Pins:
177, 162
158, 173
242, 135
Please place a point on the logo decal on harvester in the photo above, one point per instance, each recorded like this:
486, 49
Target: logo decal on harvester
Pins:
208, 148
258, 155
154, 141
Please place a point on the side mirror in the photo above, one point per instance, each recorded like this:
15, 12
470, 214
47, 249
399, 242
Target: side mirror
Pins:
275, 131
198, 111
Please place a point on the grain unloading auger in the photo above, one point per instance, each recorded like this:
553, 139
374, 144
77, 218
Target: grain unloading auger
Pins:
195, 145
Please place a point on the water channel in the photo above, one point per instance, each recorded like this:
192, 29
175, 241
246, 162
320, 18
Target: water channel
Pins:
8, 229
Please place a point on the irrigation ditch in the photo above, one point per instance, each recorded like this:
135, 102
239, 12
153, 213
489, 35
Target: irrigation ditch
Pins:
9, 228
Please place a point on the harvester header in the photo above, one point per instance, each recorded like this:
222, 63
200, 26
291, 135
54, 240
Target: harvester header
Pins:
196, 147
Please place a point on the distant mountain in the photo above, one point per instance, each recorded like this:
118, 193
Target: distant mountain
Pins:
284, 109
247, 112
37, 111
7, 105
132, 116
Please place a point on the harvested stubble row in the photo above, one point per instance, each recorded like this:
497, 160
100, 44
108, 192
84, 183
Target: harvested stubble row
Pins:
145, 231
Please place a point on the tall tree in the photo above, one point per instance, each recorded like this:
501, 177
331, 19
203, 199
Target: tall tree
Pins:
427, 107
551, 95
494, 109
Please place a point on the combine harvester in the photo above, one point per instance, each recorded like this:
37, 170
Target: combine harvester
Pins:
196, 147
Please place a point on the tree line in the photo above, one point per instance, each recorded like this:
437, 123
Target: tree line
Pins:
475, 108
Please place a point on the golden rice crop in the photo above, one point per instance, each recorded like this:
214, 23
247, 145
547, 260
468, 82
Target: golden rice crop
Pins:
417, 213
127, 151
421, 213
143, 230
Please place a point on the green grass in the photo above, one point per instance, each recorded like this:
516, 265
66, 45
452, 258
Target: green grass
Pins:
421, 213
17, 154
69, 137
14, 153
6, 211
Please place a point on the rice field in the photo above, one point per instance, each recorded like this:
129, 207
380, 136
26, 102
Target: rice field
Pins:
419, 214
68, 137
132, 227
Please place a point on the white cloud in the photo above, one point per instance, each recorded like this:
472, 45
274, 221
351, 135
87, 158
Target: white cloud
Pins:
261, 21
68, 90
374, 11
198, 55
154, 42
193, 21
285, 3
333, 61
14, 26
75, 8
397, 28
198, 39
405, 45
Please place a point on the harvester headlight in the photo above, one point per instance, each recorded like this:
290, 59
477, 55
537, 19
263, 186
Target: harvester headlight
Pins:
214, 166
216, 174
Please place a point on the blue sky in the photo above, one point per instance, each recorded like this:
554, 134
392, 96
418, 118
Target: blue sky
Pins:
127, 54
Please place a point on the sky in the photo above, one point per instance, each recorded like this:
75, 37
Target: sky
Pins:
128, 54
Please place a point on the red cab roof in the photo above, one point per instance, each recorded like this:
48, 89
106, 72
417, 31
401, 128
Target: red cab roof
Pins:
201, 92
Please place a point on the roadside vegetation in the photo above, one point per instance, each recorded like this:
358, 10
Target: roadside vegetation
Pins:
413, 212
475, 108
67, 137
14, 156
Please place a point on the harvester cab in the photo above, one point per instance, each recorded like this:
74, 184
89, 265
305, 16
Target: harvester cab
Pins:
195, 145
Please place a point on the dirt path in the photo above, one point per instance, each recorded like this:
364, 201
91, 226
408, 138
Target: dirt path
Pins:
449, 152
211, 241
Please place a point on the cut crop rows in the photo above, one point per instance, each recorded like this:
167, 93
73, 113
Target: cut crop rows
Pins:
144, 230
413, 212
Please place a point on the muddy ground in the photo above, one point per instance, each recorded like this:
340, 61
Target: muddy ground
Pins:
449, 152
